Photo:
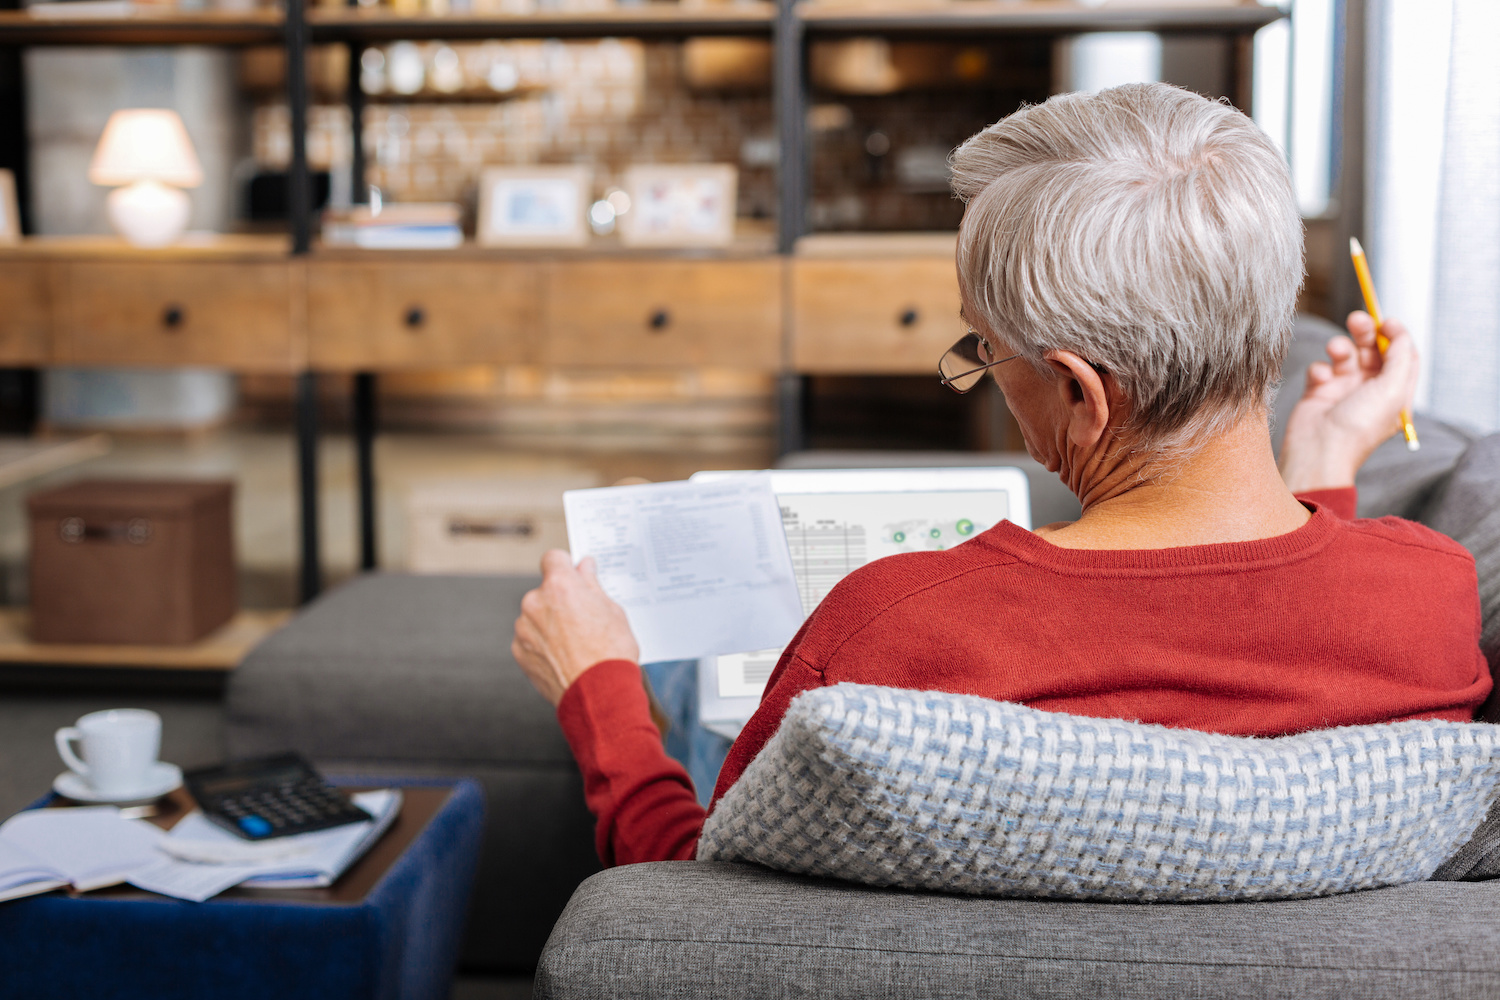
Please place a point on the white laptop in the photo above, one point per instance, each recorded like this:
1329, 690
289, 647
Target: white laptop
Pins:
837, 520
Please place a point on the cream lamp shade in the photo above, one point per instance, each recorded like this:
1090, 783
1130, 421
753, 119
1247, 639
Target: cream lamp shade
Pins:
145, 144
146, 154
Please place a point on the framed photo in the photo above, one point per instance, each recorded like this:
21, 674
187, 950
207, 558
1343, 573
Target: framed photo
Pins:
10, 210
680, 206
534, 206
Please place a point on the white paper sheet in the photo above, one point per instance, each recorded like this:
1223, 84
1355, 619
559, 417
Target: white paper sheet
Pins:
186, 880
320, 857
700, 568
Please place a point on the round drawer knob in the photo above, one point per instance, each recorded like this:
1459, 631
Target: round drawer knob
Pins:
908, 317
659, 321
172, 317
415, 317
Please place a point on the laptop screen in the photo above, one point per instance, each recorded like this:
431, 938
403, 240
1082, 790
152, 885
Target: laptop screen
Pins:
838, 520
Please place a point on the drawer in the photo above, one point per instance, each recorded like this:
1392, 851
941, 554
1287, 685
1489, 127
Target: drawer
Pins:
665, 314
25, 319
875, 316
421, 314
235, 314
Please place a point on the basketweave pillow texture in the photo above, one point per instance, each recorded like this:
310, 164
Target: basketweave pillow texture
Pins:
926, 790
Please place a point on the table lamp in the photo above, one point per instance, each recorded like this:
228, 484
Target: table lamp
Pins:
146, 155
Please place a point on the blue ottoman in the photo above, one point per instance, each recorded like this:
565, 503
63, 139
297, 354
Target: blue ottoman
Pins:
390, 928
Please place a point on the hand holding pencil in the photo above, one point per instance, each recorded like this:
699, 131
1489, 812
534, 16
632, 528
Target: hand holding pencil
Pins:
1372, 306
1350, 404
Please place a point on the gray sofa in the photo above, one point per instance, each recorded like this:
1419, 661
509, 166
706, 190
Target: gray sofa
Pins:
688, 929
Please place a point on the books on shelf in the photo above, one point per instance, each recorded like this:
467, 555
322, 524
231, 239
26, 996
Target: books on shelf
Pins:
82, 9
402, 226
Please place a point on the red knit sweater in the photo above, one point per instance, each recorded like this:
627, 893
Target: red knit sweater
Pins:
1340, 622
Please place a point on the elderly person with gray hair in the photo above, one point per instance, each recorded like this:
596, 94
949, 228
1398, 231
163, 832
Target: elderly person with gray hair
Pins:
1129, 263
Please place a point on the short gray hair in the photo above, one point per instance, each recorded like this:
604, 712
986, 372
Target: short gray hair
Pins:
1147, 229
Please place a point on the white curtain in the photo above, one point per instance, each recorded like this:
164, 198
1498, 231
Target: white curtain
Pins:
1433, 184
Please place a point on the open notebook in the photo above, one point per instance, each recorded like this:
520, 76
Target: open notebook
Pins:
86, 848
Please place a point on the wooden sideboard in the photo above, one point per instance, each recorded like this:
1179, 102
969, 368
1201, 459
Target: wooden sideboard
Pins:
839, 305
846, 305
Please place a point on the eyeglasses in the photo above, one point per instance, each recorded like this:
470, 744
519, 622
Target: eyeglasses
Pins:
964, 365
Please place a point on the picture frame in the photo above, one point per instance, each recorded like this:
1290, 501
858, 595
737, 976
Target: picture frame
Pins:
534, 206
10, 209
680, 205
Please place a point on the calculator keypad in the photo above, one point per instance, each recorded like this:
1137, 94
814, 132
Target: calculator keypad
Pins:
287, 799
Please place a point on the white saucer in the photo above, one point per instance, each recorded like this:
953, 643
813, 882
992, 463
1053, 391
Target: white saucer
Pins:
164, 778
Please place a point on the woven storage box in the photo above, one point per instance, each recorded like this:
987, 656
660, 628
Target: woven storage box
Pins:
494, 526
131, 561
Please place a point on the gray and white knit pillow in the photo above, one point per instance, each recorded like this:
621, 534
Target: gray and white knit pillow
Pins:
927, 790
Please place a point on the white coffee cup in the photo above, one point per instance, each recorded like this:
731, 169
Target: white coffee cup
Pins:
120, 746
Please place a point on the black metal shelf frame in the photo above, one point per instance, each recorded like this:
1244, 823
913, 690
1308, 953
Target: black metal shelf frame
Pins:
790, 24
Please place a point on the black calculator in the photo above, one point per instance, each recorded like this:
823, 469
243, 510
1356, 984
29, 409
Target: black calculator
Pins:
269, 797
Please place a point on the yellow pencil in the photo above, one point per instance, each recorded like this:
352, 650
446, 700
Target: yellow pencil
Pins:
1372, 306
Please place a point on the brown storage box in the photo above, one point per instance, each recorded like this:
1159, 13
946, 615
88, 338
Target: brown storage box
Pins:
131, 561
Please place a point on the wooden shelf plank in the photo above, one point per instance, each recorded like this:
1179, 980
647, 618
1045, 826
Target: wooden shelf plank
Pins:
643, 20
144, 27
23, 459
752, 238
1032, 16
193, 246
223, 650
837, 245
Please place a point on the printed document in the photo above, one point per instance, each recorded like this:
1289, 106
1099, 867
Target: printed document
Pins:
199, 860
701, 568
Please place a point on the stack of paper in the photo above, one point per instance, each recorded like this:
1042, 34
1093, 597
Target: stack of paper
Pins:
92, 847
198, 860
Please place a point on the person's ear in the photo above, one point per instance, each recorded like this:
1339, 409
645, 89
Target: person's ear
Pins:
1086, 397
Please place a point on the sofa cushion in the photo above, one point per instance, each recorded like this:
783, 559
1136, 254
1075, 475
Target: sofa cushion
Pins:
727, 931
1466, 508
397, 667
929, 790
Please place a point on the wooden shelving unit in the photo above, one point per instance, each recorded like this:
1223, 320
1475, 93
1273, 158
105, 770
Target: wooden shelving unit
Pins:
148, 27
1052, 17
649, 20
789, 24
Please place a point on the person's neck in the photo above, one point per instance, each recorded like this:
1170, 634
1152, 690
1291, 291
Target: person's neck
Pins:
1227, 491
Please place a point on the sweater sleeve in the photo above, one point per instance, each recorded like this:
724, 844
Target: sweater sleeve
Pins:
642, 800
1342, 502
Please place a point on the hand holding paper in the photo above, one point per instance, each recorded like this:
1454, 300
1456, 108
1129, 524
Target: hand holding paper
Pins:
700, 568
567, 625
